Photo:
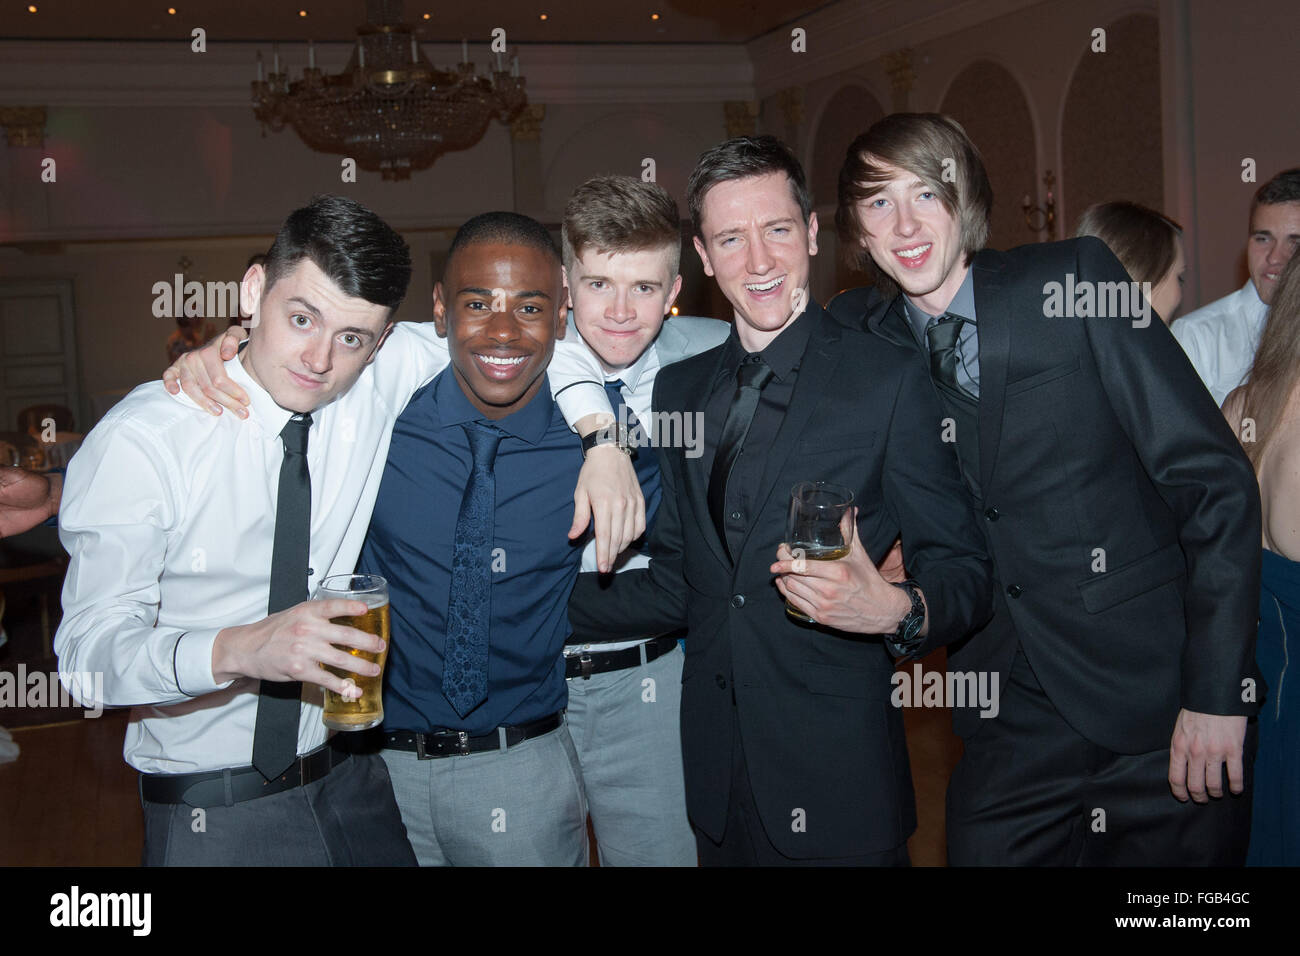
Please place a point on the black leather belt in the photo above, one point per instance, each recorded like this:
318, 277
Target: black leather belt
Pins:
458, 743
225, 788
584, 663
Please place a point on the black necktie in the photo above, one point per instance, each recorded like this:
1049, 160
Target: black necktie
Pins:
646, 462
465, 654
275, 741
944, 355
752, 376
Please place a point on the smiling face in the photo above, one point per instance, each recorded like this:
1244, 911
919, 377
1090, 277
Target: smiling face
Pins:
620, 300
309, 341
499, 306
758, 247
914, 239
1274, 236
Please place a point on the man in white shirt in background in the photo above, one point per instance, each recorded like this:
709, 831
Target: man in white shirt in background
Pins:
170, 521
621, 240
1221, 338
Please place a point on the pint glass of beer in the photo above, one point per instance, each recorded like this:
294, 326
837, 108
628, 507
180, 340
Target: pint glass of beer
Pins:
368, 709
813, 531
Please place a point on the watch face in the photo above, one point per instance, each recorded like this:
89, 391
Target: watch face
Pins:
913, 627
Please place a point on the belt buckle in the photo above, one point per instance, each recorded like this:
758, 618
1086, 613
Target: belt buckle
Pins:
584, 661
462, 742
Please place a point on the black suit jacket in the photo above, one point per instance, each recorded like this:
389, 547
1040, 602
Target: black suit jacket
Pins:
1121, 514
822, 742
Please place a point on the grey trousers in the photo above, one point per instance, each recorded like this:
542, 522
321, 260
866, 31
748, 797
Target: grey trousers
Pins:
348, 818
626, 726
524, 806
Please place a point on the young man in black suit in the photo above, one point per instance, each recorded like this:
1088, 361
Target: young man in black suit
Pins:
791, 750
1122, 517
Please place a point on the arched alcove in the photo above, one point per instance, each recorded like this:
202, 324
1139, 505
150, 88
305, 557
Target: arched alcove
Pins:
1110, 122
989, 102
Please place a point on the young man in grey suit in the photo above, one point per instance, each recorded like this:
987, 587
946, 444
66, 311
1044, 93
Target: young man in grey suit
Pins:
622, 247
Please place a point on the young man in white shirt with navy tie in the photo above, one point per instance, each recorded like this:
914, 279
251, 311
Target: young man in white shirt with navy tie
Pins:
621, 240
170, 520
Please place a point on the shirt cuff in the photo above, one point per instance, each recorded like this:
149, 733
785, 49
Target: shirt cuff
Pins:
192, 663
580, 399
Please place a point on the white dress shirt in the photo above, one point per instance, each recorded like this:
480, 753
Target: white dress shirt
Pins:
1221, 338
168, 515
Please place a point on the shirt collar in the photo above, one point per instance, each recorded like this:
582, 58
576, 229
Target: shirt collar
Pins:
631, 376
1254, 305
264, 413
782, 354
529, 423
962, 304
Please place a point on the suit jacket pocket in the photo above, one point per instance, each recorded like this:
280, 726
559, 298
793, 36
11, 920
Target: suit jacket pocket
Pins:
1105, 590
845, 681
1043, 377
849, 441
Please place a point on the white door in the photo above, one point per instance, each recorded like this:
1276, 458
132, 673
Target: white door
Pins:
38, 349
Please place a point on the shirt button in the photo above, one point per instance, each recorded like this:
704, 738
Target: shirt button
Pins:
736, 516
738, 600
1015, 590
720, 681
993, 514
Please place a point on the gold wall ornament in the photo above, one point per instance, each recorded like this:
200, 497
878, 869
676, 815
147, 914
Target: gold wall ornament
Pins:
527, 124
902, 75
23, 125
790, 101
742, 117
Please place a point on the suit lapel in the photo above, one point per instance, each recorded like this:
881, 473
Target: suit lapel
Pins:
695, 479
820, 359
891, 323
993, 318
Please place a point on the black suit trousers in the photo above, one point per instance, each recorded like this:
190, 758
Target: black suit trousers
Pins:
1031, 791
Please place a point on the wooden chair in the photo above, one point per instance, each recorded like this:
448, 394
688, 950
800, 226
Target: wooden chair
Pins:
31, 417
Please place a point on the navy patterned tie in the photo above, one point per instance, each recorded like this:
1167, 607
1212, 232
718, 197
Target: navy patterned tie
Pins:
646, 461
275, 735
464, 672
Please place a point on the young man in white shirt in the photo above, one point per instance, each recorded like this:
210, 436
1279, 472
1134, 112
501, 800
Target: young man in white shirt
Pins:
170, 520
1221, 338
621, 240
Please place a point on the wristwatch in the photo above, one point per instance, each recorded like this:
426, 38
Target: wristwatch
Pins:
612, 434
908, 636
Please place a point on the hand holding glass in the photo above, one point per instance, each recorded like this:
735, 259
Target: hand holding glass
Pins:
367, 710
814, 531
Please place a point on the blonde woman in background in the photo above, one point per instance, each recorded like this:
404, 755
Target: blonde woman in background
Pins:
1265, 413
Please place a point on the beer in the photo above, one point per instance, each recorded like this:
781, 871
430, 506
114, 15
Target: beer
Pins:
814, 552
816, 527
367, 710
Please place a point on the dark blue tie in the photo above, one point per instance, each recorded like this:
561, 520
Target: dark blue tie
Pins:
646, 461
464, 673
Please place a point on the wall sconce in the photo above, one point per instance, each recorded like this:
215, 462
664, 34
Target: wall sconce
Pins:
1044, 215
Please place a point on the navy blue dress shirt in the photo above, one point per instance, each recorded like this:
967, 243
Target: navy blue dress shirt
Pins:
534, 565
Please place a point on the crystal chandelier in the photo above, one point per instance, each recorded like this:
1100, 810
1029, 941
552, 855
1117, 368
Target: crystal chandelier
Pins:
390, 109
